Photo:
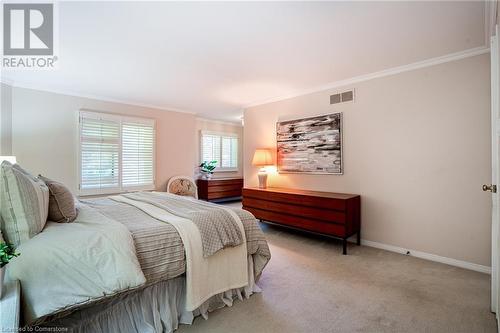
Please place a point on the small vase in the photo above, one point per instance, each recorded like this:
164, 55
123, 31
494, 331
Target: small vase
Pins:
207, 176
2, 274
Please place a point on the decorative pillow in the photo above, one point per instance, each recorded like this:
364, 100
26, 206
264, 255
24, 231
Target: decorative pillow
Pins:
182, 187
61, 202
24, 204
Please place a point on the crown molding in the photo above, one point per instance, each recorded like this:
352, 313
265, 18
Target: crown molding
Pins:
219, 122
386, 72
61, 91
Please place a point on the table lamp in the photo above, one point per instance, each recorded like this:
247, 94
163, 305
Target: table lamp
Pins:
262, 157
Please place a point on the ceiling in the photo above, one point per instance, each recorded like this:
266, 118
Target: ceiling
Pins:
214, 58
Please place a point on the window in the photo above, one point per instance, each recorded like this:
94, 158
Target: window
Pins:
116, 153
220, 147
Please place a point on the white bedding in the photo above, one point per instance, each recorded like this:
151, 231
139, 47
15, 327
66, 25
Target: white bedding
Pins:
69, 264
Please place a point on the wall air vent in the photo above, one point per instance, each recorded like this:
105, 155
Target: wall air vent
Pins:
334, 99
346, 96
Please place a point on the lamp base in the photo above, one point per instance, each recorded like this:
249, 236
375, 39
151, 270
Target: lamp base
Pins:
262, 179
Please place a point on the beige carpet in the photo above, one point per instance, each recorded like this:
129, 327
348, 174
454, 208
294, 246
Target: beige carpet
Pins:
310, 287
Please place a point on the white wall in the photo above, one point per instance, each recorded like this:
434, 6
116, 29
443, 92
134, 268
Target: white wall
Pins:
5, 120
45, 135
217, 126
417, 149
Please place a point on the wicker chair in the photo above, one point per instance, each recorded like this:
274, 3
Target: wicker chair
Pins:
182, 185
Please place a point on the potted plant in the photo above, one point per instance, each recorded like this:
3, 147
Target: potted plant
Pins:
207, 169
7, 252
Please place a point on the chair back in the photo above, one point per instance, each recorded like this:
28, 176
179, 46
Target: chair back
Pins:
182, 185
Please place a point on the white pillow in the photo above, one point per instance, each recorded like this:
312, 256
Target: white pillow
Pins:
24, 204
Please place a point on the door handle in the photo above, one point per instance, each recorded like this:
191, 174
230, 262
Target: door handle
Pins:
490, 188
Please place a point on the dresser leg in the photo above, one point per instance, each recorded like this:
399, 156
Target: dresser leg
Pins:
344, 246
358, 238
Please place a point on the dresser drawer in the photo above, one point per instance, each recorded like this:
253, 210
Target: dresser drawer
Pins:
297, 199
224, 194
338, 230
324, 215
221, 182
223, 188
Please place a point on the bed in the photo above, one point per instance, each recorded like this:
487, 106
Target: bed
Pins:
139, 262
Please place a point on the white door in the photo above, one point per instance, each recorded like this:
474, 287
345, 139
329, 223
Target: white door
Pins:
495, 136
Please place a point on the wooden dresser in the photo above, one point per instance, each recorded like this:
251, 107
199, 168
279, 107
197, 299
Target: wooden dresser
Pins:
219, 189
332, 214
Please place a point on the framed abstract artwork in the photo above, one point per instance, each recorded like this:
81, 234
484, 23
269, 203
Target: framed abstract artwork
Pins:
310, 145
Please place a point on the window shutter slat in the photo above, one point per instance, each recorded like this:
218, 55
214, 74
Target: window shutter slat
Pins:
229, 152
116, 153
99, 153
137, 154
221, 148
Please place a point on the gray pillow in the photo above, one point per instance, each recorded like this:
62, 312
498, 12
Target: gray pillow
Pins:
61, 202
24, 202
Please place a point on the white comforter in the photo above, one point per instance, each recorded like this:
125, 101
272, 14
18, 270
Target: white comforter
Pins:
69, 264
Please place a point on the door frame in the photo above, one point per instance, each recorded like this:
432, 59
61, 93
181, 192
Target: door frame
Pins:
495, 135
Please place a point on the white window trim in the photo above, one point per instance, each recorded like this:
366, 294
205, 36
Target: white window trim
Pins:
226, 134
120, 119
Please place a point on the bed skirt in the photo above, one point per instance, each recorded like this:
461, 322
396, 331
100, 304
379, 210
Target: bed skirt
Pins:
157, 308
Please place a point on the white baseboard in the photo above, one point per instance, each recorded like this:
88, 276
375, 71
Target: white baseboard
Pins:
429, 256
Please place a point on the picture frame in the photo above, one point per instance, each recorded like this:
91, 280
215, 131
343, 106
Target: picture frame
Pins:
311, 145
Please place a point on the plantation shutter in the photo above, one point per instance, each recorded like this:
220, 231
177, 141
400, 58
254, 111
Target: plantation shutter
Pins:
99, 152
117, 153
229, 158
138, 154
220, 147
211, 148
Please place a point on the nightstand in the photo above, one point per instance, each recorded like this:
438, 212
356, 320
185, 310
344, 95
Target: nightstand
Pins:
10, 306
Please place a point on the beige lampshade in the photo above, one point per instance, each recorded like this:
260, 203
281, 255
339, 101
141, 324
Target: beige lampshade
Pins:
262, 157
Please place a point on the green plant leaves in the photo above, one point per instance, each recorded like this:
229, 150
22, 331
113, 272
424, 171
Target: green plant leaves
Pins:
7, 252
208, 167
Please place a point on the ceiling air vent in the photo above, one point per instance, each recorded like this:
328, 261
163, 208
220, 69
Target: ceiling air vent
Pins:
346, 96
